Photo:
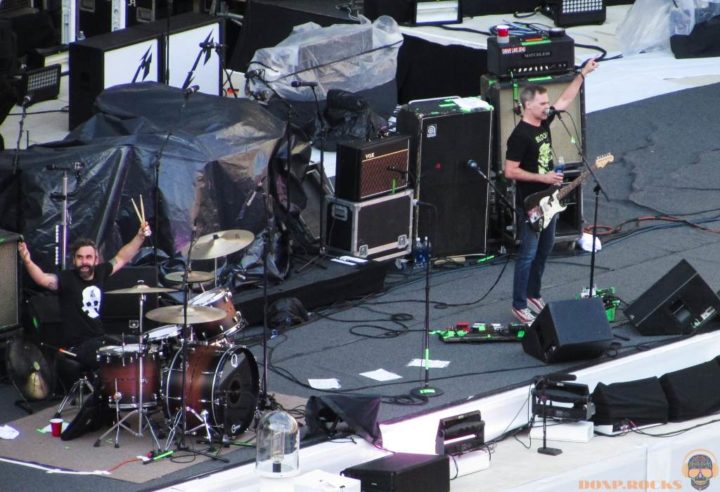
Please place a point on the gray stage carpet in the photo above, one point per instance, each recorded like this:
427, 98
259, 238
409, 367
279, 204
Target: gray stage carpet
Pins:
666, 155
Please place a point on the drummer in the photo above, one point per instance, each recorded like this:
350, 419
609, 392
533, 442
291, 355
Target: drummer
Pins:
80, 291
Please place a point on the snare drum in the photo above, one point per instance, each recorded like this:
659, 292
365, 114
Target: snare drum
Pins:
120, 375
164, 339
216, 330
223, 382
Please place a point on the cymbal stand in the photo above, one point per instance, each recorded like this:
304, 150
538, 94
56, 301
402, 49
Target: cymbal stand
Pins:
179, 425
64, 196
140, 411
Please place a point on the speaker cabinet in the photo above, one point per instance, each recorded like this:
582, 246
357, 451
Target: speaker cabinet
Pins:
10, 285
120, 57
370, 169
692, 392
505, 98
679, 303
445, 143
137, 54
569, 330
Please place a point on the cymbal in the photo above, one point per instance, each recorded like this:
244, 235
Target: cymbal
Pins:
141, 289
195, 314
221, 243
194, 277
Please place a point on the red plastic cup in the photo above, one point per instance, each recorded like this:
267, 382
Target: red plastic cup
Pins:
503, 33
56, 427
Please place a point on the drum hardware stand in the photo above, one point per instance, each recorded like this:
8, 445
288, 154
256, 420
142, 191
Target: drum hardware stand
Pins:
62, 230
16, 162
77, 392
180, 420
140, 411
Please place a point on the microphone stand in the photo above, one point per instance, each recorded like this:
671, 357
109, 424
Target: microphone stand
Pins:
322, 250
16, 164
596, 190
426, 391
543, 400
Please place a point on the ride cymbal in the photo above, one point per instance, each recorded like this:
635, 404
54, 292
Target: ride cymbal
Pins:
221, 243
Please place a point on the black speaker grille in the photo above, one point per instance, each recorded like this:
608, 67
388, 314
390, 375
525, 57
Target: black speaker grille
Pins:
9, 300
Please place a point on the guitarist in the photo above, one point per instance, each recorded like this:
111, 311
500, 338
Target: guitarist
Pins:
529, 162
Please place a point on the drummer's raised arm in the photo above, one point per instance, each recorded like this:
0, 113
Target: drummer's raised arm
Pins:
128, 252
47, 280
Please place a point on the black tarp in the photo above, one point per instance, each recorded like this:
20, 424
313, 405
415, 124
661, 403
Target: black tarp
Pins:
209, 153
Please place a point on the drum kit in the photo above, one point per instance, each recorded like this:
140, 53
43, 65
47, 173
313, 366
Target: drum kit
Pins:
189, 367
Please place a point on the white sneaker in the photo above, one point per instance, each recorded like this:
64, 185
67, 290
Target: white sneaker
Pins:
536, 304
524, 315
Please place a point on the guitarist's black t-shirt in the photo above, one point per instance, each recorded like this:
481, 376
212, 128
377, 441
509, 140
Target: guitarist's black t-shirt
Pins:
531, 146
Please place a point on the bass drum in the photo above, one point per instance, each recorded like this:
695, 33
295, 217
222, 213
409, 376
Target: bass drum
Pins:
223, 382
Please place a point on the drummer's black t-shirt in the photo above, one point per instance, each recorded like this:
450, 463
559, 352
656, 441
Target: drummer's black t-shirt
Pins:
81, 304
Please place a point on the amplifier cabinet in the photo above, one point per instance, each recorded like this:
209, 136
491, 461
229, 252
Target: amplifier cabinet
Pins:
377, 229
10, 285
369, 169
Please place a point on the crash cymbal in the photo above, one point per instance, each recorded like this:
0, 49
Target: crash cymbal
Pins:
194, 277
195, 314
141, 289
221, 243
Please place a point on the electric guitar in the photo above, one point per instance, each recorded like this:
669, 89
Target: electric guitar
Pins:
542, 206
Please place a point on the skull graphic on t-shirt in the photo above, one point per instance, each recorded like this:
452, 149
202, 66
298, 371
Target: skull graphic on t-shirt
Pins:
91, 297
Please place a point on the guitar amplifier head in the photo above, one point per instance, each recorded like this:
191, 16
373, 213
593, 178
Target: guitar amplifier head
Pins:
371, 169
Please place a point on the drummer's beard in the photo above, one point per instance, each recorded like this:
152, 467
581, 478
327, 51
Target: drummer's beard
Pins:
86, 272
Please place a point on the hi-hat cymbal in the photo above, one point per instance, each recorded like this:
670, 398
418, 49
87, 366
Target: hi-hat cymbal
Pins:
141, 289
194, 277
195, 314
221, 243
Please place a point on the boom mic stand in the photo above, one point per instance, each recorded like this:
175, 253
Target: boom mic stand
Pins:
16, 163
596, 190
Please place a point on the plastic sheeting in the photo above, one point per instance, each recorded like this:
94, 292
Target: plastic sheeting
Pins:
649, 24
352, 57
209, 154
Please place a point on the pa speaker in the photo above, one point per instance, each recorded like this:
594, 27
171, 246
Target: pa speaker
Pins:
679, 303
9, 287
693, 392
569, 330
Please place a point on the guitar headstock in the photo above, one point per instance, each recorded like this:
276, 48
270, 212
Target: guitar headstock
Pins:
603, 160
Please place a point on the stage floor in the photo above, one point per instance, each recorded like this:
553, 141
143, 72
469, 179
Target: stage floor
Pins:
665, 165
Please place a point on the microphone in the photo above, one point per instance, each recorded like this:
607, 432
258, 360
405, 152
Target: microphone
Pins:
77, 166
300, 83
191, 90
556, 377
551, 111
401, 172
254, 74
27, 100
473, 166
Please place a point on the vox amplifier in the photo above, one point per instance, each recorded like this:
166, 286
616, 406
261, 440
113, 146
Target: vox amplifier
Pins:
370, 169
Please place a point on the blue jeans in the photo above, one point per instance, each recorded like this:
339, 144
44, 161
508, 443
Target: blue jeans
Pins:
532, 255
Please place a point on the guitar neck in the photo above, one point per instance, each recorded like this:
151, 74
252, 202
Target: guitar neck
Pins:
566, 190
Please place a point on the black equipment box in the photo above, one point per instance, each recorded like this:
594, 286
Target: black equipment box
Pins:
369, 169
460, 434
530, 57
377, 229
403, 472
567, 13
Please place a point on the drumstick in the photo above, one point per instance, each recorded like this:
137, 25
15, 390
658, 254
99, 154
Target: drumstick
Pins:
137, 212
142, 210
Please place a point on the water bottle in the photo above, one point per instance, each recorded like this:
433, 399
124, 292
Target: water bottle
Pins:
418, 256
560, 166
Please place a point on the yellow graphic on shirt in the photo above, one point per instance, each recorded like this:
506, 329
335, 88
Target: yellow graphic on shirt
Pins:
544, 158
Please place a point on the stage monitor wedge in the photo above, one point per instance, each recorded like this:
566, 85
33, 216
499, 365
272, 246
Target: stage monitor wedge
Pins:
680, 303
569, 330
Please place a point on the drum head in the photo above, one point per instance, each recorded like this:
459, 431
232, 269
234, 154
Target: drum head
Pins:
238, 386
209, 297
